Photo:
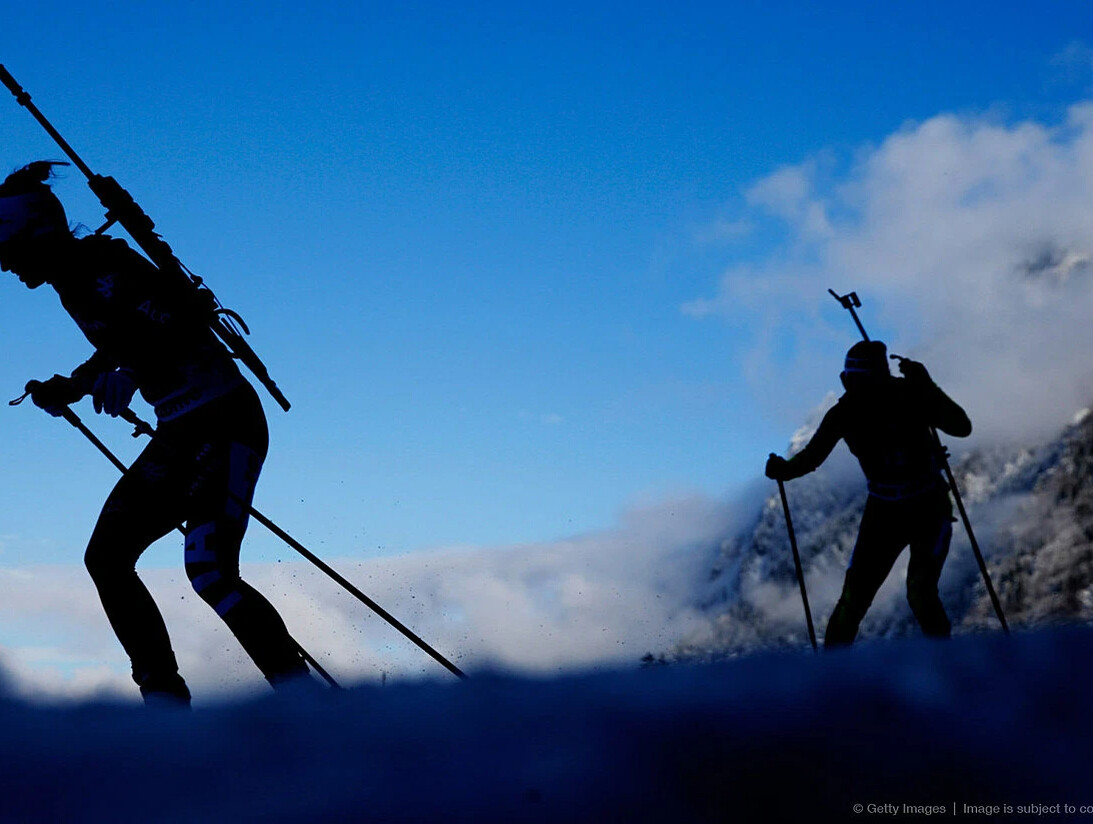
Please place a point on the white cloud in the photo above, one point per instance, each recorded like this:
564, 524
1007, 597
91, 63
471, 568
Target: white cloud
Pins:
1075, 62
969, 236
601, 599
724, 230
785, 192
789, 193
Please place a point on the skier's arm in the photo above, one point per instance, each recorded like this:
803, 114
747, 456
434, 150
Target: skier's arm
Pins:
825, 438
87, 374
948, 416
58, 392
942, 411
111, 388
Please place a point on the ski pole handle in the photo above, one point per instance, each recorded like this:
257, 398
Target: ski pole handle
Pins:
33, 386
141, 426
28, 391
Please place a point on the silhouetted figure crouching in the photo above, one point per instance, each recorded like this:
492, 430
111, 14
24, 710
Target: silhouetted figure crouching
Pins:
886, 422
201, 466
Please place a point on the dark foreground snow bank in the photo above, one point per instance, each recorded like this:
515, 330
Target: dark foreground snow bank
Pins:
982, 720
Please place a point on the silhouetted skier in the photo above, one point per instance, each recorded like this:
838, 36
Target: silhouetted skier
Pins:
202, 465
886, 422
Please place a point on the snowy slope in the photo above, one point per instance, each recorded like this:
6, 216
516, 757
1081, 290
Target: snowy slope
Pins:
786, 736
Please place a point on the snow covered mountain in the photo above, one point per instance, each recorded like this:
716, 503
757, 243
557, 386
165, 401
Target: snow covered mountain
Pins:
1032, 512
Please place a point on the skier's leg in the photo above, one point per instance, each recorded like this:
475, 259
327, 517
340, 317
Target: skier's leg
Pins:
144, 506
929, 548
879, 544
227, 473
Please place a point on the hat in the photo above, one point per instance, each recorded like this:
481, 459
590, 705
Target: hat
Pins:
867, 358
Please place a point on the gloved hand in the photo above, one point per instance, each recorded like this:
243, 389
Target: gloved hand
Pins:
913, 370
113, 391
777, 468
54, 394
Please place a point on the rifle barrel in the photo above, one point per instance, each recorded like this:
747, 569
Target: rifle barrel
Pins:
22, 97
122, 208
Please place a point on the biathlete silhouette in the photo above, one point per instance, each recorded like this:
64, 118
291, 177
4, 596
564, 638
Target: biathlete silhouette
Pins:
203, 462
887, 423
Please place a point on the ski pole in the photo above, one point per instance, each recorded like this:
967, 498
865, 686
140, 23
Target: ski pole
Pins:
943, 452
142, 427
797, 563
74, 419
850, 301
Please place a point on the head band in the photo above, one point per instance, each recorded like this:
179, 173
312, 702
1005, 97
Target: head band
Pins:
865, 365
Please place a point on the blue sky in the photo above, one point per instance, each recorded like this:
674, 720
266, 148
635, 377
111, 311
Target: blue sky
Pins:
465, 238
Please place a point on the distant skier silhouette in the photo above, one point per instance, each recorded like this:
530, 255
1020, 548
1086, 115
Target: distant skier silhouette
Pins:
886, 423
202, 465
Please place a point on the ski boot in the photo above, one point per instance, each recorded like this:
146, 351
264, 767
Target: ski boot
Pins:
168, 691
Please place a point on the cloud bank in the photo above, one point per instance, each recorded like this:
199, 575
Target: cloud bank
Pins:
596, 600
968, 238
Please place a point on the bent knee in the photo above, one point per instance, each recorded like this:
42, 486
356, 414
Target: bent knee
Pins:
216, 586
95, 561
922, 589
924, 600
201, 578
856, 596
206, 579
108, 558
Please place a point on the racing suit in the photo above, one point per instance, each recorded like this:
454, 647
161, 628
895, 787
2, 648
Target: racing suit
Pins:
200, 468
887, 427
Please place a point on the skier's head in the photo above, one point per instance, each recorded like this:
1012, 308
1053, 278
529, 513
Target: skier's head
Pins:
866, 365
32, 221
